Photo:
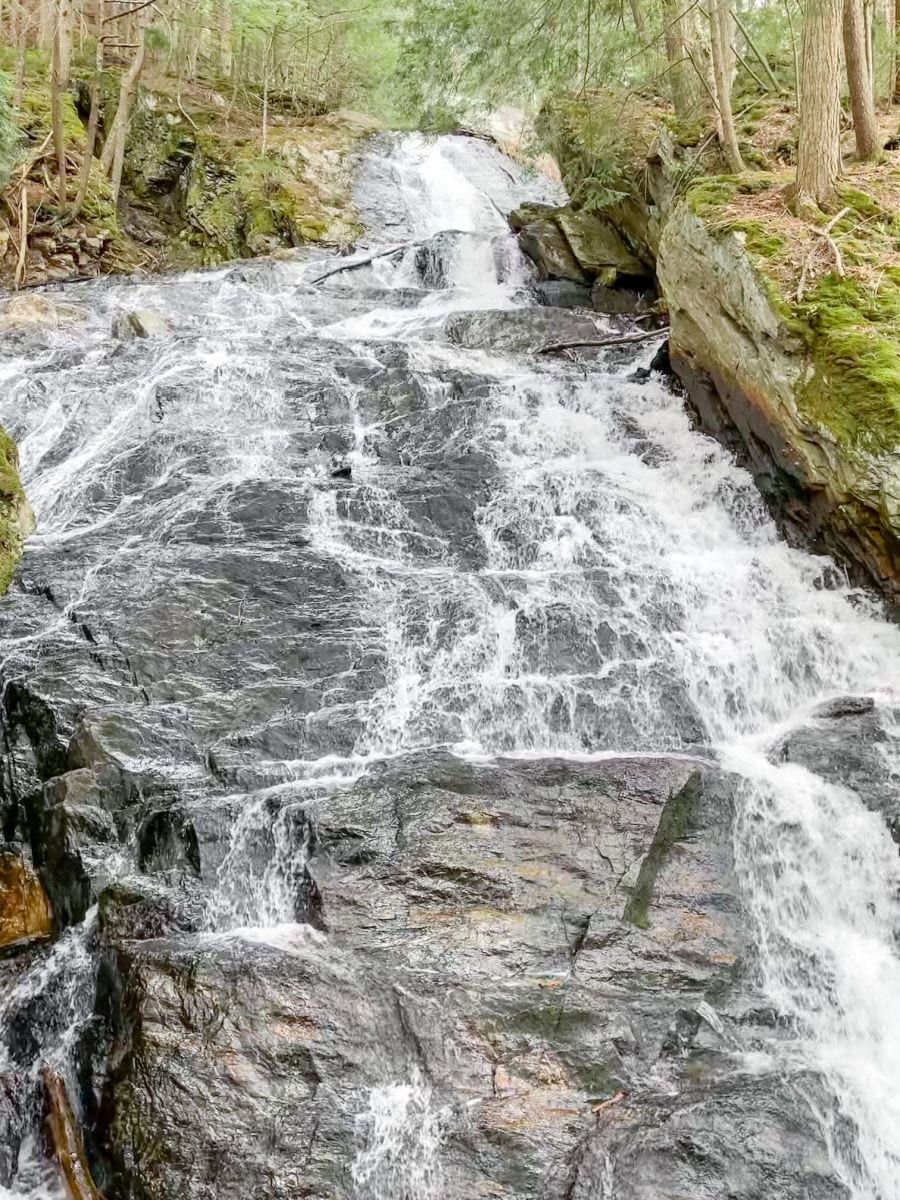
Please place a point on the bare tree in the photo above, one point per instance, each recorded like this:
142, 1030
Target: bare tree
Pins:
58, 83
721, 28
685, 52
859, 81
819, 140
113, 154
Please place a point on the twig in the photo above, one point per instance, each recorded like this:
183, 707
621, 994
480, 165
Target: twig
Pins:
615, 341
838, 258
185, 114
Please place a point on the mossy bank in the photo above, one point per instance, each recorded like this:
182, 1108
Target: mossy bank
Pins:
204, 181
785, 333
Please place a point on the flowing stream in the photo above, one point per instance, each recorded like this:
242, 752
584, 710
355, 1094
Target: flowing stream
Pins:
335, 520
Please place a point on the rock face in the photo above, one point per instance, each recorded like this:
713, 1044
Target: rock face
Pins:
745, 371
559, 926
24, 909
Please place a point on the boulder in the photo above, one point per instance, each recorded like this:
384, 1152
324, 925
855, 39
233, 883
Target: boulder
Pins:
142, 323
848, 742
596, 244
524, 329
24, 908
564, 293
746, 369
546, 245
527, 214
38, 312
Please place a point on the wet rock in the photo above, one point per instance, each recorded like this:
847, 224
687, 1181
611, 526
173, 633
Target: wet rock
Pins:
65, 1135
38, 312
546, 246
436, 259
519, 329
564, 293
744, 1137
849, 742
482, 944
142, 323
70, 831
168, 841
24, 908
621, 299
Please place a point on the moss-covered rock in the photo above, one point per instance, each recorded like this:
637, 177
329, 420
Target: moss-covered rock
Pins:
812, 387
16, 517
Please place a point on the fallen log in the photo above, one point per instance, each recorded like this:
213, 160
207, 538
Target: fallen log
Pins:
600, 343
68, 1147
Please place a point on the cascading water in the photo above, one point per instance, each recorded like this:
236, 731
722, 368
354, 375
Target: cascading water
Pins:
331, 525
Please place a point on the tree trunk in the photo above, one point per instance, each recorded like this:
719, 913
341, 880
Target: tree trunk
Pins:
114, 148
93, 122
685, 52
21, 52
862, 102
57, 87
819, 141
637, 14
895, 82
720, 27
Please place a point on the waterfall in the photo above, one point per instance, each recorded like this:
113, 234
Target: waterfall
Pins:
338, 523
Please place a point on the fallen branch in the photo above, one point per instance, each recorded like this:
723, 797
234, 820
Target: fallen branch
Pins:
838, 257
602, 342
23, 240
360, 262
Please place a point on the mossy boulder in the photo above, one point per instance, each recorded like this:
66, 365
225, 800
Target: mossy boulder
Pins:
16, 517
596, 244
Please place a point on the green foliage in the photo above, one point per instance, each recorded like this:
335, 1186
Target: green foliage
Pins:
10, 134
497, 52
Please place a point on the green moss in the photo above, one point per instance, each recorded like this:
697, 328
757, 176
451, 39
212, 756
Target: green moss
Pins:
853, 336
716, 191
35, 116
14, 512
758, 239
710, 191
675, 822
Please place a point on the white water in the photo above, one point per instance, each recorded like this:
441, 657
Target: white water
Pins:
400, 1132
628, 593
